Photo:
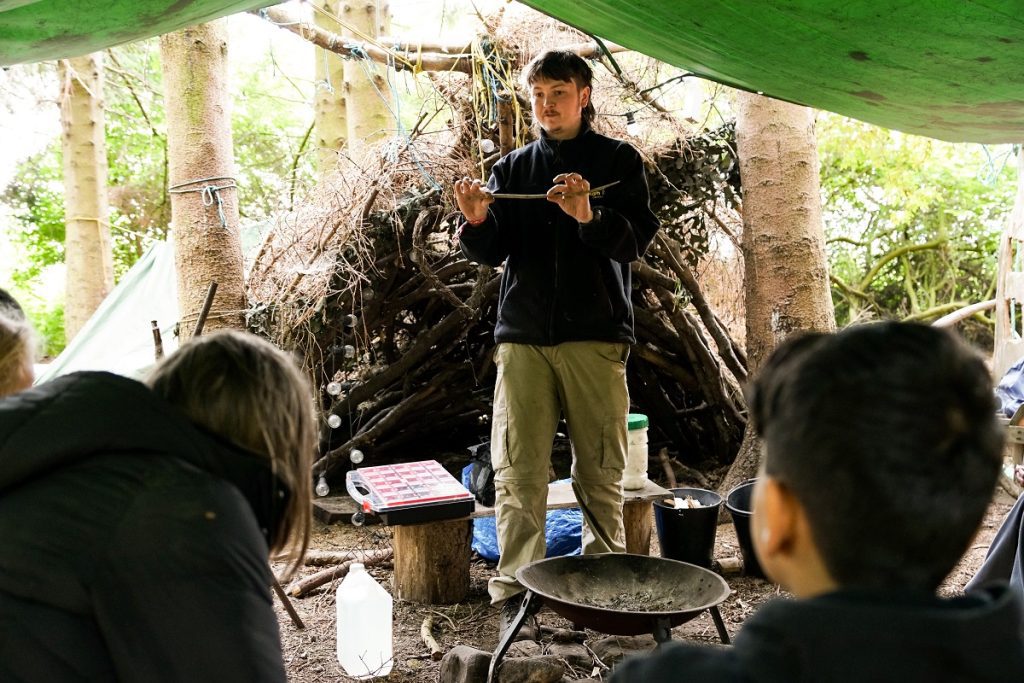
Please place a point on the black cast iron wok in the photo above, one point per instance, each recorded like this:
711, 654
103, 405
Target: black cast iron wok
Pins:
618, 594
622, 594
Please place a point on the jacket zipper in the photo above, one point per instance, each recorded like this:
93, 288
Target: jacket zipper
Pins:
554, 291
556, 148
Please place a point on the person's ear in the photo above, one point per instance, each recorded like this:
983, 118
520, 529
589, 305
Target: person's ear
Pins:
777, 513
585, 97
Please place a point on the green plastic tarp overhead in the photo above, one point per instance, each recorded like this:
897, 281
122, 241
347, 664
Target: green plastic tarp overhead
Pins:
38, 30
951, 69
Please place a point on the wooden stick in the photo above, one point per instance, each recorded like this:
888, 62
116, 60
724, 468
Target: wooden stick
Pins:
330, 558
427, 634
288, 607
667, 466
158, 342
201, 321
304, 586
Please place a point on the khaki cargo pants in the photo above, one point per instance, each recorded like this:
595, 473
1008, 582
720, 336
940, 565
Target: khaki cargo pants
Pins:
535, 385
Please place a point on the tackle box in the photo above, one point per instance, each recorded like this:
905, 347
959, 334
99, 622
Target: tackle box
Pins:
409, 493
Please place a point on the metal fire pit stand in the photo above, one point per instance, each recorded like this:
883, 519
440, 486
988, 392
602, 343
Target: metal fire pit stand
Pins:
662, 630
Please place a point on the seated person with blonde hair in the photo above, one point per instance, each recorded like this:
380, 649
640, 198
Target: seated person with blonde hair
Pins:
881, 451
17, 347
136, 520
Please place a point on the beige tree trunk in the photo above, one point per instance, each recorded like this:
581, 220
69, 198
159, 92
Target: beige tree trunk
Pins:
785, 269
366, 113
329, 114
204, 201
87, 250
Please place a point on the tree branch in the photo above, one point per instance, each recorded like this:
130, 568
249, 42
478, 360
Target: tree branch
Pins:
406, 56
896, 253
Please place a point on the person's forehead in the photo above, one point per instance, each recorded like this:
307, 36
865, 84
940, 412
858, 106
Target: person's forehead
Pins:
542, 82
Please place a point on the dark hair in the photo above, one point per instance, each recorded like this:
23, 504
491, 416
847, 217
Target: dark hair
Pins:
562, 65
887, 435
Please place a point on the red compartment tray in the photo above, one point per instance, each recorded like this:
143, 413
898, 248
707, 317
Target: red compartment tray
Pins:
409, 493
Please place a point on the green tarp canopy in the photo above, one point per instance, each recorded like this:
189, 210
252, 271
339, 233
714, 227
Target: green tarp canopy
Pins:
950, 69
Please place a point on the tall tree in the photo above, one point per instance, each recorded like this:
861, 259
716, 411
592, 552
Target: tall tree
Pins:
329, 111
204, 199
785, 271
365, 111
87, 251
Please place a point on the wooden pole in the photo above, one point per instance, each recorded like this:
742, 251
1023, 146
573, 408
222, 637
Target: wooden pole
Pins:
288, 607
158, 342
207, 304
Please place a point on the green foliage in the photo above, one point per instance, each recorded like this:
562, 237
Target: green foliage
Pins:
271, 149
273, 143
912, 224
36, 198
48, 321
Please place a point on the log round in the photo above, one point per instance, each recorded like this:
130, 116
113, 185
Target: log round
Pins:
637, 517
432, 561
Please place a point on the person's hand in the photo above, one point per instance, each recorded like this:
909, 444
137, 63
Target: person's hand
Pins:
473, 199
572, 193
1018, 474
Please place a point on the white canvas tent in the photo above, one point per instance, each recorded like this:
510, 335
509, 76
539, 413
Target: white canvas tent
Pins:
118, 337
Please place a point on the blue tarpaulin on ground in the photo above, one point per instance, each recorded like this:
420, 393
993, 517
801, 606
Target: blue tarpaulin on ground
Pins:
562, 531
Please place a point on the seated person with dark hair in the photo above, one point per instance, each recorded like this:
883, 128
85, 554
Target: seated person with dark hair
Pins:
881, 451
1005, 558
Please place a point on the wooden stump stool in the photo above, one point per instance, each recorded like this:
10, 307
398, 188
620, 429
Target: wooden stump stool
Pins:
432, 561
637, 517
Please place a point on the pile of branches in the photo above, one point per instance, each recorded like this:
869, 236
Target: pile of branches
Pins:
400, 340
395, 326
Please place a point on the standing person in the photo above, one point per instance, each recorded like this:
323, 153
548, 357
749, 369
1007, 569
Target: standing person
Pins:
137, 520
565, 320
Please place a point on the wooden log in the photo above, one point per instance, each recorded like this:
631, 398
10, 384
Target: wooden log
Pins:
637, 517
300, 588
729, 566
432, 561
330, 558
427, 634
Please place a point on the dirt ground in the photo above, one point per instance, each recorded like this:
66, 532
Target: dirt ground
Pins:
310, 653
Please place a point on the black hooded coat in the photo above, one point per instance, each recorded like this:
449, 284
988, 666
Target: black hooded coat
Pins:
133, 544
856, 636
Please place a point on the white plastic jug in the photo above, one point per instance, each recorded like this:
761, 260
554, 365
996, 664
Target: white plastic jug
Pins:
635, 475
364, 625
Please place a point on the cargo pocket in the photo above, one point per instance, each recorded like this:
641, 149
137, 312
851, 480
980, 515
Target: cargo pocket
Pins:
501, 454
614, 444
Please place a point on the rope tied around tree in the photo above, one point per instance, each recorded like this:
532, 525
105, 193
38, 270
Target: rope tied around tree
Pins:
209, 192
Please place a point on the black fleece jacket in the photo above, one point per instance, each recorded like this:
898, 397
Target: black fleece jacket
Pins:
856, 637
565, 281
132, 543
